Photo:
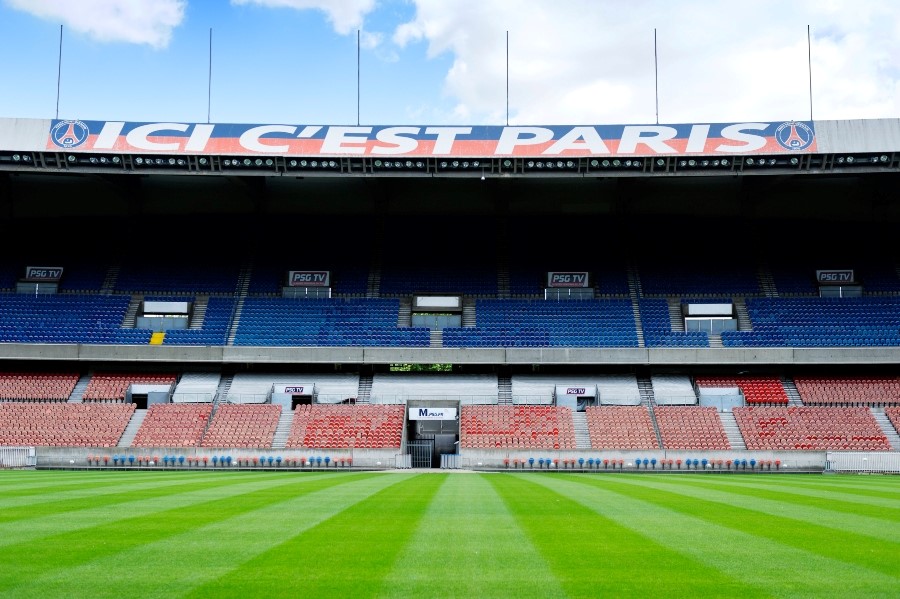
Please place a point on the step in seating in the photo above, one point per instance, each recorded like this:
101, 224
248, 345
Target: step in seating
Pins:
243, 426
28, 386
691, 427
812, 428
516, 427
764, 390
848, 391
893, 415
112, 386
61, 424
621, 427
173, 425
358, 426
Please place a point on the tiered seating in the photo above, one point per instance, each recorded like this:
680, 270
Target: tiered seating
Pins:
813, 428
820, 322
657, 326
37, 386
625, 427
326, 322
691, 427
346, 426
756, 389
242, 425
58, 424
112, 386
846, 391
893, 415
173, 425
516, 427
540, 323
187, 274
66, 319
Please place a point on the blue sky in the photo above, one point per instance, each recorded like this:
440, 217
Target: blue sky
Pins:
445, 61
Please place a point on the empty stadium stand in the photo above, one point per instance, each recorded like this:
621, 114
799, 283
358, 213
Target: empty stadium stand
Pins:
758, 389
810, 428
848, 391
112, 386
60, 424
173, 425
516, 427
621, 427
30, 386
357, 426
691, 427
242, 426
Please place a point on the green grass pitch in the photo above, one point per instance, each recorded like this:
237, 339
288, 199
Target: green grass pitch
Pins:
446, 534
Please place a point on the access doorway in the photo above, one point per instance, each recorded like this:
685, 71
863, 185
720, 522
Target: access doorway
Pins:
433, 430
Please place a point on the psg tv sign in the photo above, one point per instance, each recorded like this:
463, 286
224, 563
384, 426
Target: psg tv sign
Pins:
433, 141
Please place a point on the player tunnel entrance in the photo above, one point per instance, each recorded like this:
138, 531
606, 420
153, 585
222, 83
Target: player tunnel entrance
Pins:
432, 431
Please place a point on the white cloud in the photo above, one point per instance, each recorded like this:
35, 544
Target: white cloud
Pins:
147, 22
592, 61
345, 15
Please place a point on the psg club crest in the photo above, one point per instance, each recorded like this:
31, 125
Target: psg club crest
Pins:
69, 134
792, 135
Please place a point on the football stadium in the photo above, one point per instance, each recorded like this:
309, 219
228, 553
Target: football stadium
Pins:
272, 359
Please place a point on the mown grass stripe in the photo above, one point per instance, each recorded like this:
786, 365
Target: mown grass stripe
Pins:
785, 484
469, 545
594, 556
92, 497
776, 504
770, 567
829, 538
845, 483
815, 505
43, 480
347, 555
173, 566
32, 531
66, 550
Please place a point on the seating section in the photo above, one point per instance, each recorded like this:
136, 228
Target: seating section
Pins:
621, 427
691, 427
173, 425
187, 274
358, 426
869, 321
242, 425
848, 391
516, 427
58, 424
893, 415
112, 386
756, 390
813, 428
72, 318
540, 323
270, 321
37, 386
214, 329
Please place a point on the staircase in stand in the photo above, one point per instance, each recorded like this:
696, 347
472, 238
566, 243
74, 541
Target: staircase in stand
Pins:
504, 390
243, 288
645, 387
283, 429
134, 305
109, 282
676, 316
889, 431
635, 292
766, 282
198, 313
790, 388
437, 338
582, 436
364, 395
77, 394
223, 389
742, 315
732, 431
133, 426
468, 312
404, 313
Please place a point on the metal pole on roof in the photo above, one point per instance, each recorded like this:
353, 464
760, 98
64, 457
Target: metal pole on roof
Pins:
59, 70
809, 68
209, 79
357, 77
655, 76
507, 77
